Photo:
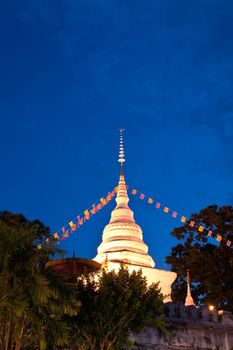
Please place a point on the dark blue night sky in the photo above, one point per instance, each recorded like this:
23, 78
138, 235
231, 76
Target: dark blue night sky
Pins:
72, 72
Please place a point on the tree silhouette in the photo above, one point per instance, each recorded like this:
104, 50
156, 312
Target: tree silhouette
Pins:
33, 301
114, 306
210, 262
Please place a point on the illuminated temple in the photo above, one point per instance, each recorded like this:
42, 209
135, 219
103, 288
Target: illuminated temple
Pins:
122, 241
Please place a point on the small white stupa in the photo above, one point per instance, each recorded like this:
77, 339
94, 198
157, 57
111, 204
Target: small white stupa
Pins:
122, 241
189, 299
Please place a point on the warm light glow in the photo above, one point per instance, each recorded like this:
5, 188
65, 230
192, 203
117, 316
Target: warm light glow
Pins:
211, 307
220, 312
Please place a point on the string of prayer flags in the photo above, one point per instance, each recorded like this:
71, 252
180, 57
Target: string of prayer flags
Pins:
183, 219
74, 224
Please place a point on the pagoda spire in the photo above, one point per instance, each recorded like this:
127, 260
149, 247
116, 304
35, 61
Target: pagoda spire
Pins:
189, 300
122, 238
122, 198
121, 158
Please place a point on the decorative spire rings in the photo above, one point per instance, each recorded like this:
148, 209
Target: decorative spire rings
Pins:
121, 159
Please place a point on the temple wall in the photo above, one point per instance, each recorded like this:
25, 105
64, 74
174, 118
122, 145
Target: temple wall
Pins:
190, 329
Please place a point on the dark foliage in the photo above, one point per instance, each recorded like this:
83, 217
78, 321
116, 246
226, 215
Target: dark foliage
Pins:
210, 262
114, 306
33, 301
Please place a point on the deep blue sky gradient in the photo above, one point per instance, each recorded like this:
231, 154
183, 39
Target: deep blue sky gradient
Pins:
72, 72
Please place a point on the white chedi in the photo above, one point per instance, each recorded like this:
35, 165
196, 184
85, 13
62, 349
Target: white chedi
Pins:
122, 241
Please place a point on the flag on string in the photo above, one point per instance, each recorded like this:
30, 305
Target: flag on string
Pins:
174, 214
99, 206
210, 233
47, 240
39, 246
134, 191
93, 210
71, 223
157, 205
150, 201
166, 210
103, 201
66, 234
200, 228
228, 243
183, 219
218, 238
192, 223
116, 189
80, 221
142, 196
63, 229
86, 215
55, 235
73, 228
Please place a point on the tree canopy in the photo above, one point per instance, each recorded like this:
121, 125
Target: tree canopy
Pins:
210, 262
113, 306
33, 301
39, 310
